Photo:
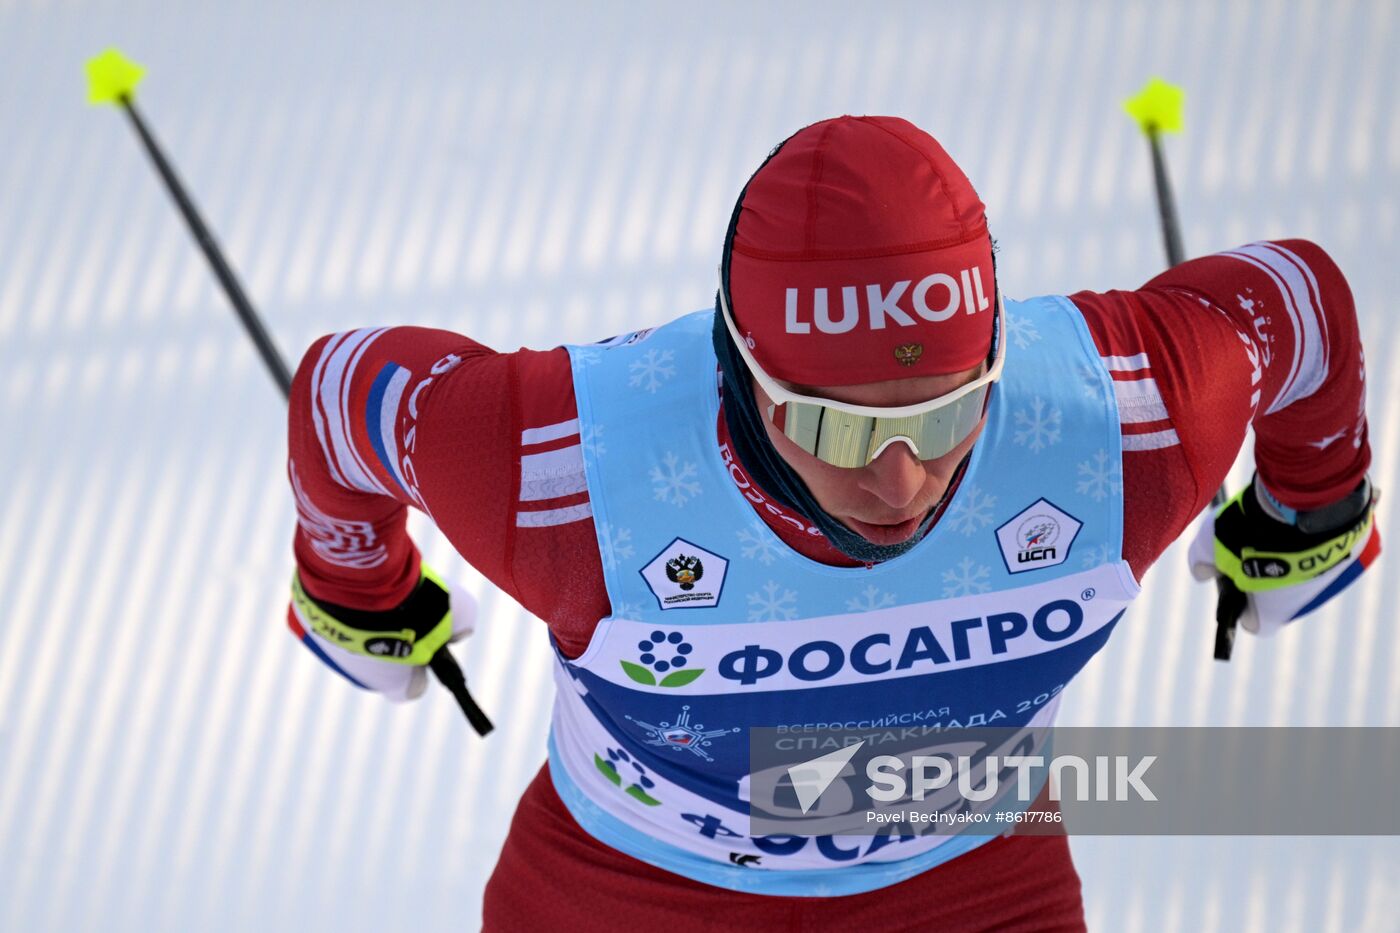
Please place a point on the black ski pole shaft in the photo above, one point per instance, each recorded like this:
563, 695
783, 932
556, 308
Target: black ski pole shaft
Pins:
112, 79
1166, 201
210, 247
1156, 108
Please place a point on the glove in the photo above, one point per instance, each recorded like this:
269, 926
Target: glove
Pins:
1287, 563
387, 651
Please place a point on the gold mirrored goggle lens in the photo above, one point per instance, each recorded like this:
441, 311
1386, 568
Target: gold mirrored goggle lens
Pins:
847, 440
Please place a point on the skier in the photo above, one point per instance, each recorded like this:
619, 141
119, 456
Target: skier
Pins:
748, 516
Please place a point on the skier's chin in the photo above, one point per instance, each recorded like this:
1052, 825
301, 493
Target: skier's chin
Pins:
896, 533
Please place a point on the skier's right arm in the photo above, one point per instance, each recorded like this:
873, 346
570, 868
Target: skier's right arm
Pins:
485, 443
359, 576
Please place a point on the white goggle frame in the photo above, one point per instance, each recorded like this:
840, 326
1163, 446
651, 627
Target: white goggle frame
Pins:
848, 435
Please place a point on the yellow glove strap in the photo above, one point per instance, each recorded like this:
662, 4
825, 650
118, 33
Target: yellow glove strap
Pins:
401, 646
1286, 569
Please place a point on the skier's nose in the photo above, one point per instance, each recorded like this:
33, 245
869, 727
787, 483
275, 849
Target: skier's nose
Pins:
895, 476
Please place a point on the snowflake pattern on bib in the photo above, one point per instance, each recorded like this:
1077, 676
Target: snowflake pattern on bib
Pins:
718, 626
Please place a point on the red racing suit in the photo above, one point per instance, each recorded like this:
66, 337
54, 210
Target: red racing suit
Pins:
1264, 336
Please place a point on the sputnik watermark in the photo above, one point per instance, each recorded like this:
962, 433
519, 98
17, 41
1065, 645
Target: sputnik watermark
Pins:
1111, 777
1102, 777
908, 783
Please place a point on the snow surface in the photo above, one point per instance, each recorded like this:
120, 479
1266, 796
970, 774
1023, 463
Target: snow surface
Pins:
170, 759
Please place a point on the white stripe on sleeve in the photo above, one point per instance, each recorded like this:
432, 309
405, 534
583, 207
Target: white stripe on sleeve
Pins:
1155, 440
316, 417
1126, 364
1139, 401
550, 432
564, 516
333, 393
552, 474
1308, 368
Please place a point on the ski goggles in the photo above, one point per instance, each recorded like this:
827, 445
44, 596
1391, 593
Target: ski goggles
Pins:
847, 435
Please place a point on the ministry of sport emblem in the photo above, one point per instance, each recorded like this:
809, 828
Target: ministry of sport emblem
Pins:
685, 570
1038, 536
686, 576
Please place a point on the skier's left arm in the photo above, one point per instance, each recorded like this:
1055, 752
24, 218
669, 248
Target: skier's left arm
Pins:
1303, 529
1260, 336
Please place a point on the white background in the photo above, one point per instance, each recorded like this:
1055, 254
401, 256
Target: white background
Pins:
171, 759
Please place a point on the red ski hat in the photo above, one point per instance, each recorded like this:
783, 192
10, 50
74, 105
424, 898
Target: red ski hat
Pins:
859, 253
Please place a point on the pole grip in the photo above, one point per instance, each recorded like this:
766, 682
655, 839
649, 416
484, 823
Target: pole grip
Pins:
444, 666
1229, 605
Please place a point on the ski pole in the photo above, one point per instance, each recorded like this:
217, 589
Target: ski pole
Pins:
112, 79
1157, 108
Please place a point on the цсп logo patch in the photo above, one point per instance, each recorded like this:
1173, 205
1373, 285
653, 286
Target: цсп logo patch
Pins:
1038, 536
